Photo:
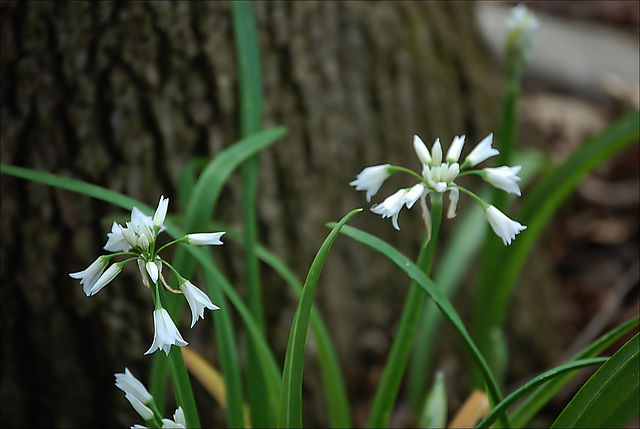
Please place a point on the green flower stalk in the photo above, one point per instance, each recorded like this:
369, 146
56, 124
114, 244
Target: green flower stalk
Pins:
138, 240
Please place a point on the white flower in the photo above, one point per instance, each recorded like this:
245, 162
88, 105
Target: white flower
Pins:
105, 278
197, 300
413, 194
504, 227
482, 151
91, 274
166, 333
454, 196
521, 19
179, 420
421, 151
205, 238
391, 206
154, 268
504, 178
371, 179
136, 393
161, 213
116, 241
453, 154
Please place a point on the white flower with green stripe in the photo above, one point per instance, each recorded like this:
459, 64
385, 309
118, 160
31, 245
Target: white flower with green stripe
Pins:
437, 178
138, 241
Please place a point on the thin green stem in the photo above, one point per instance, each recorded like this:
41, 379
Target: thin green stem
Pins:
401, 348
395, 168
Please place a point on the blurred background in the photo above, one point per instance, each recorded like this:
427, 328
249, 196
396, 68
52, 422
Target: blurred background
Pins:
124, 94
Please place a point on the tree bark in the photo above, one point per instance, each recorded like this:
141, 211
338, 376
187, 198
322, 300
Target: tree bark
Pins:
123, 95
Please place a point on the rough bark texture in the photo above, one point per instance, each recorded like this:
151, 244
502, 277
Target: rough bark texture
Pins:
124, 94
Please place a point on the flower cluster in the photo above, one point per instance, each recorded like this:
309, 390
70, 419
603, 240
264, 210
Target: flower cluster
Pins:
437, 178
138, 240
142, 401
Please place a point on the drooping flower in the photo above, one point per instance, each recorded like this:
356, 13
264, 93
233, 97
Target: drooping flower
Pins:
504, 178
504, 227
135, 392
371, 179
165, 334
197, 300
437, 178
138, 241
105, 279
91, 274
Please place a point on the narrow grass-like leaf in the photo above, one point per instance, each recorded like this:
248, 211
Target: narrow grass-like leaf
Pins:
610, 398
291, 397
187, 179
394, 369
453, 263
334, 386
540, 204
534, 403
249, 71
545, 377
434, 292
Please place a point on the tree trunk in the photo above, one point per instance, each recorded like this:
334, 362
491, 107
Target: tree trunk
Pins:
123, 95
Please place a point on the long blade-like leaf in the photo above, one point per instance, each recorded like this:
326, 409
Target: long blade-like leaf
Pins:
545, 377
291, 399
611, 397
534, 403
434, 292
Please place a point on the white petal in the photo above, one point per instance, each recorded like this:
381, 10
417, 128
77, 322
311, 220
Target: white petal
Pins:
197, 300
165, 334
482, 151
504, 227
116, 241
453, 154
421, 150
205, 238
161, 213
91, 274
105, 278
130, 384
454, 196
391, 206
504, 178
371, 179
153, 271
436, 152
144, 411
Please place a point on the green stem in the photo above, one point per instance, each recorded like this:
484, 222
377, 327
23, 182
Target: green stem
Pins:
182, 387
246, 39
401, 348
493, 254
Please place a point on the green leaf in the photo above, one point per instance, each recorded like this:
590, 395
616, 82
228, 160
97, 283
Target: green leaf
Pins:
538, 207
334, 386
534, 403
545, 377
610, 398
291, 399
434, 412
248, 54
434, 292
